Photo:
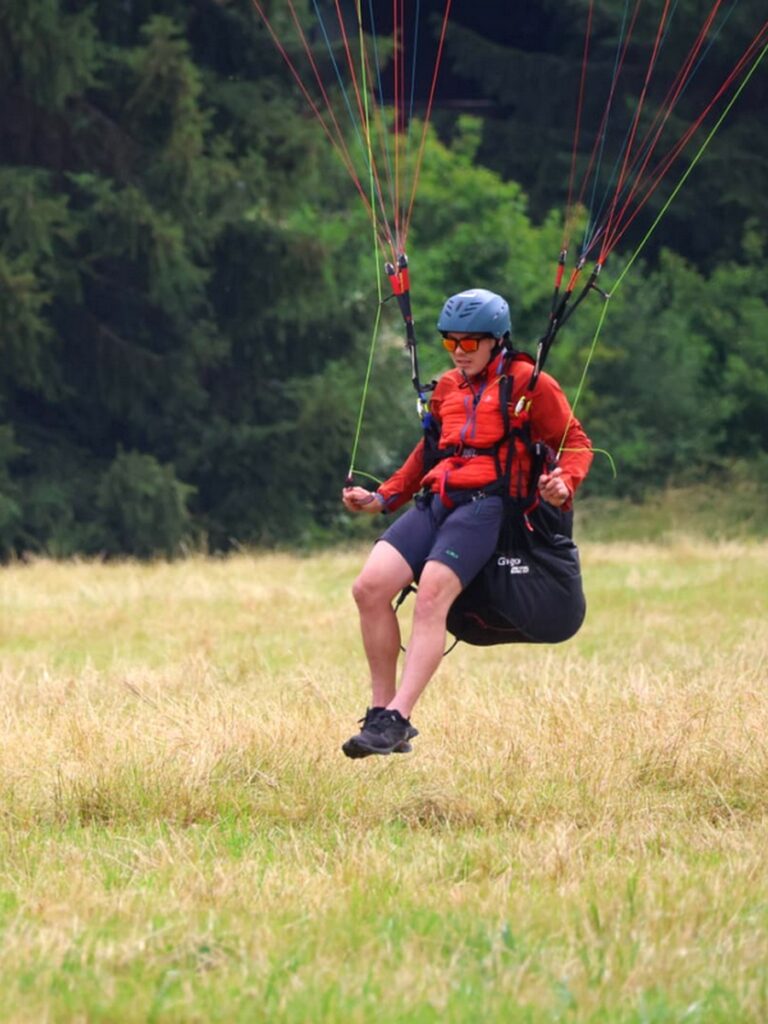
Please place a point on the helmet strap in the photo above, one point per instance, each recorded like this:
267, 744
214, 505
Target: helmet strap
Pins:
504, 345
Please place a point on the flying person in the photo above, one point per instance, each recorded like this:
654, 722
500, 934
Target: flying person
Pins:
467, 474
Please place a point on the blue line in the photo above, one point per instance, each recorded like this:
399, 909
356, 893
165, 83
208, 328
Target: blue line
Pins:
413, 70
591, 205
614, 174
352, 117
381, 98
699, 62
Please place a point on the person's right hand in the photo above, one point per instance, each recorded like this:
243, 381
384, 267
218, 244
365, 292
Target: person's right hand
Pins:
358, 499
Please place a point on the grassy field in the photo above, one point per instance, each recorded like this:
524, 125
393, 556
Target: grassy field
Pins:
579, 835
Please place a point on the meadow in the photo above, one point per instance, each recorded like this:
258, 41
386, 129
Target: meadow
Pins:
579, 836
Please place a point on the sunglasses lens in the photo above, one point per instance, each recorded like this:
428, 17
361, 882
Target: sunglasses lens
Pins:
465, 344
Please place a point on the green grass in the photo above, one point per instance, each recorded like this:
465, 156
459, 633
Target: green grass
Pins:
731, 505
579, 835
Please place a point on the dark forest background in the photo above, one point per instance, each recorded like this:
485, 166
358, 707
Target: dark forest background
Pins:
187, 282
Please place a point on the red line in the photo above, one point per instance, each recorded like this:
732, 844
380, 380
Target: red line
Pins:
344, 157
361, 112
664, 114
662, 168
401, 213
369, 142
342, 141
307, 96
427, 116
577, 129
635, 122
396, 99
680, 80
609, 102
382, 131
339, 133
350, 62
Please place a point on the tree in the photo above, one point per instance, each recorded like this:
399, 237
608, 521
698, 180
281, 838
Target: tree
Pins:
188, 287
532, 81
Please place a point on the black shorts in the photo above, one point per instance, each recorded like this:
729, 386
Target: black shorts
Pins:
463, 538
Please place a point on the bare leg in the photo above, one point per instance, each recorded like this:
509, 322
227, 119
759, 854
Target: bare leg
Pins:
439, 586
383, 576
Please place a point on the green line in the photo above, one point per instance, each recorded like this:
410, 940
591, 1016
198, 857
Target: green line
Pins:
652, 228
693, 163
582, 381
377, 262
368, 476
597, 451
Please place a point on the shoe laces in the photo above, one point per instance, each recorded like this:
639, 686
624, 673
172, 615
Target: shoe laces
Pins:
370, 716
384, 720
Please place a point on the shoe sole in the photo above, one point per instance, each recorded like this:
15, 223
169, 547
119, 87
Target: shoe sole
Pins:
353, 748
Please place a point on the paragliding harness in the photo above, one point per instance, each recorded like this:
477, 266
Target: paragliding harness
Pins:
530, 590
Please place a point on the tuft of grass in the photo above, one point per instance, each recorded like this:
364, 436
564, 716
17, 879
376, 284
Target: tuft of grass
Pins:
579, 835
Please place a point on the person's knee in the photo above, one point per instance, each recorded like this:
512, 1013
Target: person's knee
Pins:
368, 590
437, 592
383, 576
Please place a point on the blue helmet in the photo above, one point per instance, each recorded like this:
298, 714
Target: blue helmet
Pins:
476, 311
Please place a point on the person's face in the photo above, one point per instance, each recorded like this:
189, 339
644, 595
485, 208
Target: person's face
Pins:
469, 362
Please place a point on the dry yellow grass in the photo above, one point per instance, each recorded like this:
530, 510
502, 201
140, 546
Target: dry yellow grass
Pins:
578, 836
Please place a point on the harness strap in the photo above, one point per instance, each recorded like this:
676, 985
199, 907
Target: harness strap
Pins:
466, 451
516, 435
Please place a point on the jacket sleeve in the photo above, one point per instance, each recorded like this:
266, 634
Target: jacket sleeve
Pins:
553, 422
406, 481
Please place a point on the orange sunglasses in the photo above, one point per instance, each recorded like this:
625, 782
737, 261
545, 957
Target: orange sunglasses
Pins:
471, 344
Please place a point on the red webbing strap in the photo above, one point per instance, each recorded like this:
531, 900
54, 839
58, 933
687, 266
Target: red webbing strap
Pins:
559, 274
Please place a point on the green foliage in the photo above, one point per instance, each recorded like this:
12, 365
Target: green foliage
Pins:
46, 53
472, 228
37, 232
56, 481
10, 510
187, 272
143, 507
530, 81
677, 385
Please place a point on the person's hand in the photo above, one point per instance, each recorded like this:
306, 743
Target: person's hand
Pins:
357, 499
553, 489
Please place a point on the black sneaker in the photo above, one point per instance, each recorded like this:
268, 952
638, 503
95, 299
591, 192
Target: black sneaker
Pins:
383, 732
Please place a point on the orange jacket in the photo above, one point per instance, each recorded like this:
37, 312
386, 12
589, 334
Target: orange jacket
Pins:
469, 416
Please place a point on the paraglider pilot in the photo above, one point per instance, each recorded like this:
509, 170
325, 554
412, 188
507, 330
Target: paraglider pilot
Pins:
476, 462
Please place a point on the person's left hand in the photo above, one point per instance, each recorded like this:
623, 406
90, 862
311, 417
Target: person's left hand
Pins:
553, 489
